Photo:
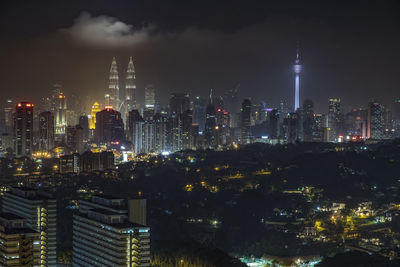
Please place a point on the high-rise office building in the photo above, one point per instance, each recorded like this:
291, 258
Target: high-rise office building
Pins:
40, 211
75, 103
274, 124
375, 120
61, 116
149, 96
178, 103
283, 109
186, 132
112, 95
148, 137
174, 132
160, 132
84, 123
109, 126
388, 124
308, 120
245, 118
74, 139
291, 127
71, 117
23, 129
396, 117
19, 245
46, 131
320, 129
232, 105
210, 125
107, 231
258, 113
8, 116
135, 129
334, 118
297, 70
222, 129
199, 112
130, 88
92, 119
355, 122
149, 102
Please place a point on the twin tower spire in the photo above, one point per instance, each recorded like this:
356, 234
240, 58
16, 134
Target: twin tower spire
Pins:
112, 97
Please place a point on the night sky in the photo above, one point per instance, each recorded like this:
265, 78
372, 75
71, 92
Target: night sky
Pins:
349, 49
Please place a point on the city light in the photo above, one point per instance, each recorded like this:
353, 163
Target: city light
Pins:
228, 137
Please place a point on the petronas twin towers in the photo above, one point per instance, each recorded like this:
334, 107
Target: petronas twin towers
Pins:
112, 97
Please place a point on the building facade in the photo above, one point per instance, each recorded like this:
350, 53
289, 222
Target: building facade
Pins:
46, 131
40, 211
23, 129
109, 126
106, 233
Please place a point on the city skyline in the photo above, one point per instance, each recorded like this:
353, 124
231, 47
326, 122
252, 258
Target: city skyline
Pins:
200, 133
340, 57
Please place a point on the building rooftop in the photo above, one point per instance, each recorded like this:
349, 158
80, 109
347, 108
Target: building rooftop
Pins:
30, 193
118, 226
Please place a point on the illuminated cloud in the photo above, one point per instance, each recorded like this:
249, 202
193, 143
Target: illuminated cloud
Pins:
105, 31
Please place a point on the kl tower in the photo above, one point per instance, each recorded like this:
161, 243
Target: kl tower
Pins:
297, 71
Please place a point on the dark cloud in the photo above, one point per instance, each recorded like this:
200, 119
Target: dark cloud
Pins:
105, 31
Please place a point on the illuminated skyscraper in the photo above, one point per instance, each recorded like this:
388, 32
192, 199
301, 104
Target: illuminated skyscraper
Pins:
8, 116
334, 118
186, 119
130, 87
320, 133
210, 123
135, 129
23, 129
112, 95
199, 112
375, 120
297, 70
61, 115
149, 102
149, 96
92, 119
246, 121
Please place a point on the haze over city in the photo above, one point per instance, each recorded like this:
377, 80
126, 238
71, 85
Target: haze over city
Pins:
200, 133
349, 49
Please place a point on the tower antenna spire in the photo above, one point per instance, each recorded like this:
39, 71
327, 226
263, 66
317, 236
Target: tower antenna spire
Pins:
297, 71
